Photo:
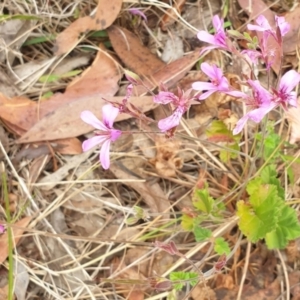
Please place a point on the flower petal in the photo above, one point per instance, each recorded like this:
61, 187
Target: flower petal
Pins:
109, 114
165, 97
92, 142
206, 94
171, 121
203, 86
217, 23
289, 80
240, 124
237, 94
89, 118
213, 72
206, 37
115, 134
104, 155
136, 11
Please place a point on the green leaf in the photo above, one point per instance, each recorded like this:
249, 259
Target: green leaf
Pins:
260, 216
221, 246
52, 77
39, 40
235, 33
187, 222
201, 234
269, 176
202, 201
288, 228
191, 277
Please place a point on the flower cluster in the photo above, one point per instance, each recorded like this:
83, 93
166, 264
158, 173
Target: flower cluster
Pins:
260, 101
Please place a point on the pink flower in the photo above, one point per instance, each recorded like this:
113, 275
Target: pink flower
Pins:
218, 83
2, 229
104, 133
284, 94
283, 26
264, 26
137, 12
253, 55
261, 103
181, 103
218, 40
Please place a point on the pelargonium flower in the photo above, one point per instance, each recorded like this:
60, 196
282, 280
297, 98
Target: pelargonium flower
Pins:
218, 83
104, 133
284, 94
264, 26
137, 12
218, 40
261, 103
181, 104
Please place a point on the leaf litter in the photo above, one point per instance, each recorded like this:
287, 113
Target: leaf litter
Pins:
87, 208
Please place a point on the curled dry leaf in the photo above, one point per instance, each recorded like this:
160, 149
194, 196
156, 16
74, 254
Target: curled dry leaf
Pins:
17, 230
107, 12
167, 161
171, 14
135, 56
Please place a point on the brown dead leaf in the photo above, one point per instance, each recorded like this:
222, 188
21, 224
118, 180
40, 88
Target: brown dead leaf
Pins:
65, 122
107, 12
17, 234
291, 39
135, 56
100, 80
260, 8
171, 14
293, 117
167, 162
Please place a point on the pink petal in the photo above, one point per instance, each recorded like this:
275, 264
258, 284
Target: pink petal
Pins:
240, 125
206, 37
203, 86
92, 142
209, 70
109, 114
165, 98
115, 134
292, 99
218, 23
284, 26
171, 121
136, 11
206, 94
104, 155
236, 94
289, 80
258, 114
89, 118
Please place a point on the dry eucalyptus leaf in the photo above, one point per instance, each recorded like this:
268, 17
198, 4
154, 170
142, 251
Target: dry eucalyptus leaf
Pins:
107, 12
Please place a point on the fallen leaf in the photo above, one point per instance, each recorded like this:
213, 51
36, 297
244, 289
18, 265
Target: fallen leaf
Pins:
291, 39
260, 8
171, 14
135, 56
100, 80
16, 233
65, 121
107, 12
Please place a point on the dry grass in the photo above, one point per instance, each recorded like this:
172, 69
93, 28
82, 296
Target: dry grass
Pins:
78, 234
